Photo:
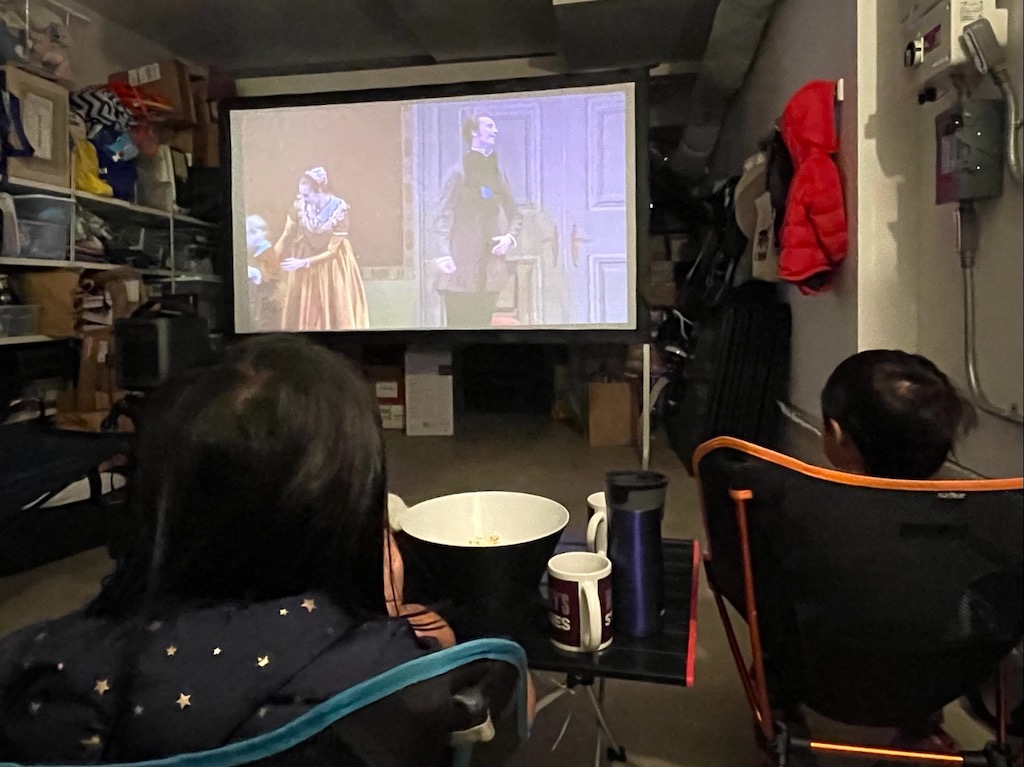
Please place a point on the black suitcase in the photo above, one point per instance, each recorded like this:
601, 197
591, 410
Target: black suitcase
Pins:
737, 372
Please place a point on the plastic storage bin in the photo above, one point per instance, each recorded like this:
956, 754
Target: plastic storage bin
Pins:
44, 225
19, 320
194, 250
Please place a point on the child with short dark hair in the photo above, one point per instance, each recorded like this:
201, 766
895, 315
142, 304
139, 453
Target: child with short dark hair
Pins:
892, 414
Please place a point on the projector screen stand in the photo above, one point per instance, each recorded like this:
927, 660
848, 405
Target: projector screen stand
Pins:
645, 412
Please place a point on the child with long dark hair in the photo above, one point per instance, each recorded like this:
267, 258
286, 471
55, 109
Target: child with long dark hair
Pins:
251, 589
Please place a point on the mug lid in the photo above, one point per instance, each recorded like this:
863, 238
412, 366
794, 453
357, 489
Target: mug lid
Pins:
635, 490
636, 480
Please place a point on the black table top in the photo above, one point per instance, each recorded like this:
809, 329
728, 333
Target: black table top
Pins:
666, 658
36, 459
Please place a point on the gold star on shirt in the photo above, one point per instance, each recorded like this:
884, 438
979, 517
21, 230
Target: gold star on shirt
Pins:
94, 742
138, 710
216, 651
184, 701
283, 611
309, 604
262, 712
102, 685
34, 707
171, 651
263, 661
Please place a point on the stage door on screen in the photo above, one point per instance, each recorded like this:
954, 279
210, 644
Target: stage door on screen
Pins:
565, 158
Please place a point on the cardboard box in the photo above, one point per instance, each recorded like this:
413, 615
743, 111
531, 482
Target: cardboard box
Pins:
182, 140
429, 394
44, 117
207, 130
388, 384
207, 145
661, 288
169, 79
613, 414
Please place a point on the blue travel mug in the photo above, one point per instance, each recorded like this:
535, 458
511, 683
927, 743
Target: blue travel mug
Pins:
636, 503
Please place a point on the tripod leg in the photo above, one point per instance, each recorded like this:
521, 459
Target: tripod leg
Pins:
616, 752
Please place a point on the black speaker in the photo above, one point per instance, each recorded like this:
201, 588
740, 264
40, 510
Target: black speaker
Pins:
151, 349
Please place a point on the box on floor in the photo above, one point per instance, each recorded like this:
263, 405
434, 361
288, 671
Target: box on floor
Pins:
429, 394
388, 383
613, 414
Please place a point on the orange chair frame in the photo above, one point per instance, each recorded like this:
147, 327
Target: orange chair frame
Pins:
753, 677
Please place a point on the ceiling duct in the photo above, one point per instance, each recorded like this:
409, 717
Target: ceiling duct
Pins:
735, 36
606, 34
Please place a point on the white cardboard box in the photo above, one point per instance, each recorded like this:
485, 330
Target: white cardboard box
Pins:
392, 416
429, 395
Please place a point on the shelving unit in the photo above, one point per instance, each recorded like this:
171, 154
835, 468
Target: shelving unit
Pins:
192, 221
46, 263
22, 340
114, 202
38, 186
129, 212
123, 211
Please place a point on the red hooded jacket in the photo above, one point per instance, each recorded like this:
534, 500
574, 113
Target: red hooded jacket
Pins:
814, 236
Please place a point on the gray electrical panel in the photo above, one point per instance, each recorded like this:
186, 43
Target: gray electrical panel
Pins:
969, 151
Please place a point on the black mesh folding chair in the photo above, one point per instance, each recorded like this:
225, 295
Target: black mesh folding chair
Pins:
874, 602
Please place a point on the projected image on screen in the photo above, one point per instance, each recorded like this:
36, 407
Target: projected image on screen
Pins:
491, 212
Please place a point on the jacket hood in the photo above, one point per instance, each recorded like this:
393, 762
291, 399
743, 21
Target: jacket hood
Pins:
203, 678
808, 123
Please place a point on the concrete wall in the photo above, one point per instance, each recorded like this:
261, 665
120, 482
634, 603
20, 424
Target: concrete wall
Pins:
824, 326
103, 46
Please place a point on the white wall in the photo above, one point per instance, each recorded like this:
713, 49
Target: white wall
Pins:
996, 448
890, 186
806, 40
909, 287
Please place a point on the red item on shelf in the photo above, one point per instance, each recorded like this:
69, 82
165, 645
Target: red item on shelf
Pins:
139, 101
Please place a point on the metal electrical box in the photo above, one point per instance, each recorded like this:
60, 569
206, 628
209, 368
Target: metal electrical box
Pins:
969, 151
932, 33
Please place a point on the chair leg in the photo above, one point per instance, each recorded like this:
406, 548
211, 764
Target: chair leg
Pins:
737, 655
1001, 712
759, 685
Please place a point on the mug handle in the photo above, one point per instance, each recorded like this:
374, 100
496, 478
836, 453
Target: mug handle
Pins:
588, 589
594, 533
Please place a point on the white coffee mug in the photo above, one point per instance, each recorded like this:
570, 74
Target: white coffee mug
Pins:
597, 530
580, 601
